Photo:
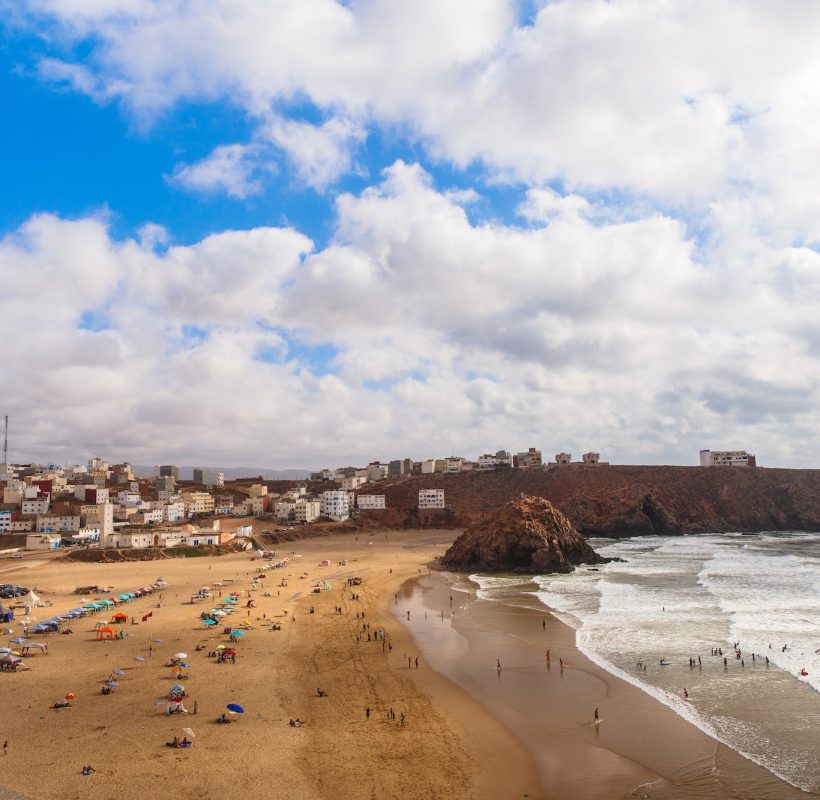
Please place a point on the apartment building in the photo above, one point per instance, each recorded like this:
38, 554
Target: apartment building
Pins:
209, 477
336, 504
370, 501
33, 507
284, 510
727, 458
431, 498
531, 459
5, 520
173, 511
198, 503
353, 482
307, 510
57, 524
376, 472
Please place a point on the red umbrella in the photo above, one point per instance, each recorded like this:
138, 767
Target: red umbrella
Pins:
70, 696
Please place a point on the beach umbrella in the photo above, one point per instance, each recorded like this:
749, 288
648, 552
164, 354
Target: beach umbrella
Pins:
209, 621
112, 684
177, 687
117, 672
157, 641
139, 658
188, 732
237, 633
70, 696
181, 655
18, 640
234, 708
4, 651
219, 613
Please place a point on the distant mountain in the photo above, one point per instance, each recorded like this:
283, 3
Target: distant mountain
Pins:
234, 473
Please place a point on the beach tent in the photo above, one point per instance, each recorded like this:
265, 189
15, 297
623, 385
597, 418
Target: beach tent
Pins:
119, 618
106, 634
30, 600
28, 647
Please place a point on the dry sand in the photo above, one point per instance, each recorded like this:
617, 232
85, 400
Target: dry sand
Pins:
450, 747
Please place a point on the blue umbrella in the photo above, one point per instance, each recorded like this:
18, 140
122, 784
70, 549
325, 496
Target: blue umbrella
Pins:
209, 621
19, 640
237, 633
117, 672
236, 709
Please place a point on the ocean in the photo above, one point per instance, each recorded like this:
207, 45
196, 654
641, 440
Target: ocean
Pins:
677, 599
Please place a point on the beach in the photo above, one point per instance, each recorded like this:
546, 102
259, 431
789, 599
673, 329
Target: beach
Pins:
471, 730
450, 745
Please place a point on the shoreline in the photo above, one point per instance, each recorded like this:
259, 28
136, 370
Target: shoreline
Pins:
653, 752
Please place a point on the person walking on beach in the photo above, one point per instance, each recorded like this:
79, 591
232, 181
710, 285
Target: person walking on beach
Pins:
367, 712
685, 694
417, 662
498, 664
597, 719
543, 624
6, 747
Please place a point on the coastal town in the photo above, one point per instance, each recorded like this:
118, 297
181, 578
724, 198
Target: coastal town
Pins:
107, 505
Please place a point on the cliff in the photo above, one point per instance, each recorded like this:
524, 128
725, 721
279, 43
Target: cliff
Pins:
525, 535
623, 500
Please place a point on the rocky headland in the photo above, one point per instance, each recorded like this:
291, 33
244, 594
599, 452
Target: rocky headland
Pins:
526, 535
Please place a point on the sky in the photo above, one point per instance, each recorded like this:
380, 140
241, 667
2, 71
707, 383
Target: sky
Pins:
309, 233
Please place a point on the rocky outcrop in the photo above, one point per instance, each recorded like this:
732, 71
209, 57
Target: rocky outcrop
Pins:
525, 535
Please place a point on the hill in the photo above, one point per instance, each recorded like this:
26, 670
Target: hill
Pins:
623, 500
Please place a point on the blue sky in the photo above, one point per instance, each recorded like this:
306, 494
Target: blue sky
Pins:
372, 231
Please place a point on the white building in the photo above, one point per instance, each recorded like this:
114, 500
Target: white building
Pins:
57, 524
453, 463
5, 520
173, 512
370, 501
354, 482
40, 541
727, 458
336, 505
431, 498
284, 510
307, 510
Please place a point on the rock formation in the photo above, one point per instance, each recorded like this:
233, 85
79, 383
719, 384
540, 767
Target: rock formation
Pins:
526, 535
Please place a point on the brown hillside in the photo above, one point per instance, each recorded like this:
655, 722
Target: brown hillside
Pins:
631, 500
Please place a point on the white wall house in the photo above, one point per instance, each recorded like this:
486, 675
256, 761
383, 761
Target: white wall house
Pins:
5, 520
370, 501
431, 498
31, 508
58, 524
173, 512
336, 504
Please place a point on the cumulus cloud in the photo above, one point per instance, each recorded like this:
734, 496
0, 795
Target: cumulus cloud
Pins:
685, 102
438, 334
228, 168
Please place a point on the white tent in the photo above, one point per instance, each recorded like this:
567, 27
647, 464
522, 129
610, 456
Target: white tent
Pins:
30, 600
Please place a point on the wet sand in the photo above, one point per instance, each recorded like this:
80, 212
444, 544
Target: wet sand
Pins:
641, 748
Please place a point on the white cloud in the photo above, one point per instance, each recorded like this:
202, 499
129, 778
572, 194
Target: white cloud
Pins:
687, 102
228, 168
320, 154
624, 337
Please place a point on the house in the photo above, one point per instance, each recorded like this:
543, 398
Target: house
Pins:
46, 541
727, 458
431, 498
198, 502
370, 501
173, 512
335, 504
307, 510
353, 482
531, 459
52, 524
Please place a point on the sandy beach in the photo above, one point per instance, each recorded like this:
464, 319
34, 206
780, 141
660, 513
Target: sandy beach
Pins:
450, 746
471, 731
